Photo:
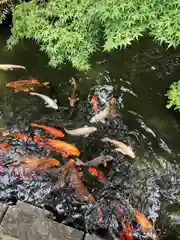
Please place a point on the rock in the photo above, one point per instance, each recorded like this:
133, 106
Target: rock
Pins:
91, 237
27, 222
3, 208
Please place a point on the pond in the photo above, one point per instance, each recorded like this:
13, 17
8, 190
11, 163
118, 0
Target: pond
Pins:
139, 77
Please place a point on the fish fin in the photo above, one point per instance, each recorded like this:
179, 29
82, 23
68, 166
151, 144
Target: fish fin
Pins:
48, 106
55, 100
46, 83
35, 125
86, 135
65, 130
103, 121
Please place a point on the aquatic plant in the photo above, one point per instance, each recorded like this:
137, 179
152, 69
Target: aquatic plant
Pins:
72, 30
174, 96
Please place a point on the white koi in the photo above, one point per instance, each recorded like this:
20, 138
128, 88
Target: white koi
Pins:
10, 67
81, 131
48, 101
121, 147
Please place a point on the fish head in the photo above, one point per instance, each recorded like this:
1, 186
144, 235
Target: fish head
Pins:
108, 158
131, 153
72, 81
93, 129
11, 84
72, 101
55, 106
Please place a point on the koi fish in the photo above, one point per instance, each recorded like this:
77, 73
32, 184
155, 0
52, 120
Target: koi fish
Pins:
73, 96
122, 147
48, 101
112, 107
102, 159
10, 67
50, 130
96, 173
28, 165
81, 131
21, 136
63, 147
126, 236
80, 190
25, 85
94, 105
100, 117
37, 139
4, 132
142, 220
4, 146
50, 162
69, 173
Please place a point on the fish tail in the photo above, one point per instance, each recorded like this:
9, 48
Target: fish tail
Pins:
104, 139
32, 93
45, 83
67, 131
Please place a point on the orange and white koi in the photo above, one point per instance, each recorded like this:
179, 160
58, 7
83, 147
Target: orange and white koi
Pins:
50, 130
63, 147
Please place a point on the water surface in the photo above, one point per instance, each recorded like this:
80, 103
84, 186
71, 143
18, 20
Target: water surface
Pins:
139, 77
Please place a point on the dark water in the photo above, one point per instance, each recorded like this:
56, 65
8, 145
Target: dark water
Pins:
139, 77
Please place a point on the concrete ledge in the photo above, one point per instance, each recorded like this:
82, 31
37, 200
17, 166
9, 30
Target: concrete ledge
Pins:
26, 222
3, 209
91, 237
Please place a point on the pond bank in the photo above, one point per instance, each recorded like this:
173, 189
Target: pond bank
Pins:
24, 221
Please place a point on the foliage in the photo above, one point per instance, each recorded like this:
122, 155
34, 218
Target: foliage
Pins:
72, 29
174, 96
6, 7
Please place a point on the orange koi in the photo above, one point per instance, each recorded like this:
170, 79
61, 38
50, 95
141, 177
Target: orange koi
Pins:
26, 85
21, 136
50, 130
25, 138
142, 220
63, 147
125, 237
50, 162
28, 165
4, 146
96, 173
95, 104
127, 231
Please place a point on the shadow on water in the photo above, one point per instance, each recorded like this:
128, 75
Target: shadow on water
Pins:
139, 77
